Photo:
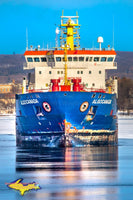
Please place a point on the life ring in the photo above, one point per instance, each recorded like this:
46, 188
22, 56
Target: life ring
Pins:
46, 107
84, 106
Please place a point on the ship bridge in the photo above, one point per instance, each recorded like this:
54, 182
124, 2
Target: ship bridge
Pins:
69, 61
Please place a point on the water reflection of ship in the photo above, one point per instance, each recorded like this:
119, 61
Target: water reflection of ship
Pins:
68, 159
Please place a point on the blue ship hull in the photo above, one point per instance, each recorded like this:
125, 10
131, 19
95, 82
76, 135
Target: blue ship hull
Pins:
66, 118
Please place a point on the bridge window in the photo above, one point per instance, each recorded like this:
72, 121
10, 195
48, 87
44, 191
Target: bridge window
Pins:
110, 59
58, 59
63, 59
90, 59
96, 59
29, 59
75, 59
50, 59
58, 72
70, 59
44, 59
78, 72
36, 59
81, 72
103, 59
81, 59
87, 59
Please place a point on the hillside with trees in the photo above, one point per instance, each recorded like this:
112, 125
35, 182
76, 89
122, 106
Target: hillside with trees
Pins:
11, 68
125, 94
124, 65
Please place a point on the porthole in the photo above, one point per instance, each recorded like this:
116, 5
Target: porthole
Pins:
46, 107
100, 72
84, 106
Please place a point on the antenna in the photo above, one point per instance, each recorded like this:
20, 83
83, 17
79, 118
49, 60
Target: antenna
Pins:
43, 45
26, 39
113, 32
62, 12
57, 33
77, 16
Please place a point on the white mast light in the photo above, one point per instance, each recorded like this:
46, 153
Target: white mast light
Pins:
57, 30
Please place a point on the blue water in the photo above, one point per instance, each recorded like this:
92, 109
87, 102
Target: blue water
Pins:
71, 173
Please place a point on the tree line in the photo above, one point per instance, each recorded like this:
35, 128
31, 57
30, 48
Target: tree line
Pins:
125, 94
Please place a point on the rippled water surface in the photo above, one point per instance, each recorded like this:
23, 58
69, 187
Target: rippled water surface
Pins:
68, 173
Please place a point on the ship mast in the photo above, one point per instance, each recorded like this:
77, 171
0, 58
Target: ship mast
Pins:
69, 39
70, 32
65, 59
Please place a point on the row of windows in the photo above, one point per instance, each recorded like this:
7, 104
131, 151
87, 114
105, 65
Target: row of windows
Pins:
61, 72
5, 90
70, 59
81, 72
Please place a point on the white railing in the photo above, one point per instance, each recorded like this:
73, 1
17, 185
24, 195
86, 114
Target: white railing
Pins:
59, 48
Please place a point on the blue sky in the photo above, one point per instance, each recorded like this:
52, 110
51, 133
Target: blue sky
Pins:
40, 17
